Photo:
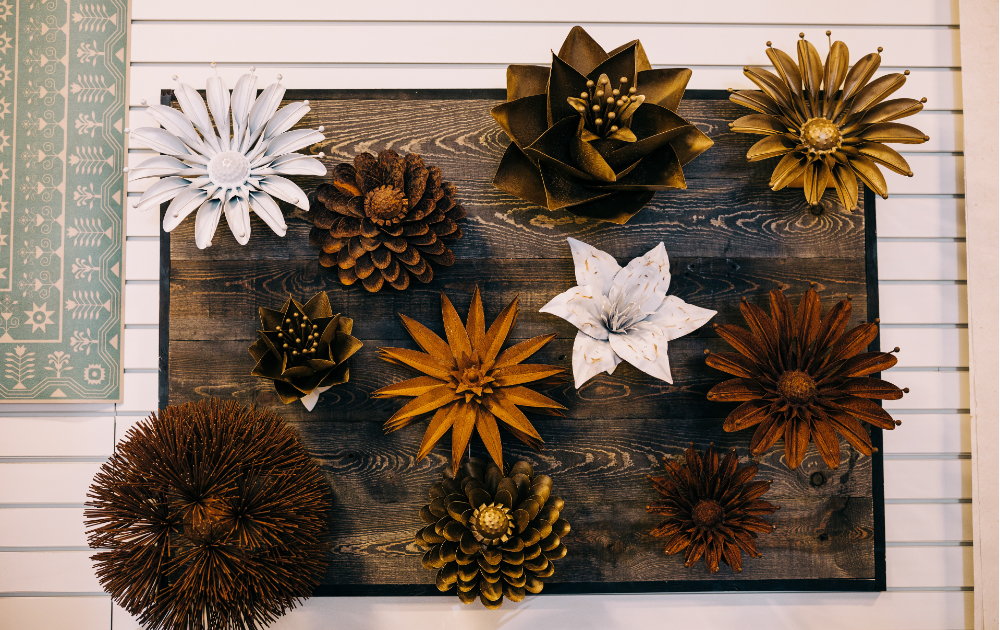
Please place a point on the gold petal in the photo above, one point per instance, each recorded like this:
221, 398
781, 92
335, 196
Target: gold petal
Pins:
508, 412
425, 403
419, 361
769, 147
486, 426
521, 351
736, 390
869, 174
589, 160
517, 175
860, 73
461, 432
867, 411
893, 132
427, 339
812, 75
847, 185
867, 363
876, 91
475, 324
525, 397
582, 51
748, 414
868, 387
439, 425
757, 101
760, 124
892, 110
458, 338
773, 86
790, 168
497, 334
797, 435
524, 80
853, 342
411, 387
519, 374
835, 71
663, 86
817, 176
852, 430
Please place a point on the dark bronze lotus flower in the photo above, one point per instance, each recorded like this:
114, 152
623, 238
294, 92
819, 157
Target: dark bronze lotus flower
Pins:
304, 349
597, 133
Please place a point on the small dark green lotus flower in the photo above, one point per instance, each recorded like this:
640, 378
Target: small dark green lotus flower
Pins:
304, 349
597, 133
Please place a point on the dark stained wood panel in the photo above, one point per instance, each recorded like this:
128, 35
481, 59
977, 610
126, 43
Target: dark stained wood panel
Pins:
728, 236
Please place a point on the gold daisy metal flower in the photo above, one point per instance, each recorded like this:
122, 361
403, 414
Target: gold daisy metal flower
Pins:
830, 122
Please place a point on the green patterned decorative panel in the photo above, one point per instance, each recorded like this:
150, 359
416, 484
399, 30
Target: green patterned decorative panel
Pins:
62, 115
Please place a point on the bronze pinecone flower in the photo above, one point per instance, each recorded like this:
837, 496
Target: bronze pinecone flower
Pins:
385, 219
803, 378
209, 515
712, 509
490, 535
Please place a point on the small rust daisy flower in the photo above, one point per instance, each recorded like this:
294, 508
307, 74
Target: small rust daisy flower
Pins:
712, 509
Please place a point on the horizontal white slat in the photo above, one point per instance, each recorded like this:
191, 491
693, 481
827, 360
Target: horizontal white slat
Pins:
141, 393
47, 571
42, 527
56, 436
928, 347
51, 613
930, 12
27, 409
922, 522
440, 43
930, 390
49, 482
124, 424
142, 304
923, 303
142, 260
142, 348
933, 174
912, 217
942, 87
908, 567
141, 222
928, 260
929, 433
928, 479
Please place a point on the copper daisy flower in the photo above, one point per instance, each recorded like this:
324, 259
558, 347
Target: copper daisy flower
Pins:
828, 121
802, 377
712, 509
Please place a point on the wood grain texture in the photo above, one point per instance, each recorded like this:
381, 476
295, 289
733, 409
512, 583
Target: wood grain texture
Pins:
728, 237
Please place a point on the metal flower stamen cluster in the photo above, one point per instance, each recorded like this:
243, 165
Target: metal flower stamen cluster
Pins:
217, 170
606, 111
828, 121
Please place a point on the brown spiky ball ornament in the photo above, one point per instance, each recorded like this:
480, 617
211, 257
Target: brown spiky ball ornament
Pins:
210, 515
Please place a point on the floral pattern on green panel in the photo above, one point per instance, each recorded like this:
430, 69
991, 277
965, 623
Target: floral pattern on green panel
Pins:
62, 196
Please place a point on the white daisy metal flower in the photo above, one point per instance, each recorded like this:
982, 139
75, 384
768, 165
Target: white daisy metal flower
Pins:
623, 314
217, 170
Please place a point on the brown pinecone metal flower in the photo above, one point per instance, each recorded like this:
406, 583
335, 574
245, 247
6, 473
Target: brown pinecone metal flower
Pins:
712, 509
828, 121
304, 349
209, 515
802, 377
384, 219
468, 384
492, 536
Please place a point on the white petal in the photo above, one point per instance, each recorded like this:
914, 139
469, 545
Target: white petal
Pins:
182, 205
677, 318
285, 118
265, 208
309, 400
593, 267
218, 102
580, 306
590, 358
262, 110
285, 190
644, 281
293, 141
292, 164
163, 190
645, 347
194, 107
157, 166
176, 123
238, 218
243, 97
206, 221
161, 141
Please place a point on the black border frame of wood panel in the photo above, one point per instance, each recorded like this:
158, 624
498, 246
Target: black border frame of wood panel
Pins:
876, 584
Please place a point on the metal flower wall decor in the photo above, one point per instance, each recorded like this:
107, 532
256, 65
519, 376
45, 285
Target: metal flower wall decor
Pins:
803, 377
828, 121
623, 313
304, 349
597, 133
220, 170
468, 383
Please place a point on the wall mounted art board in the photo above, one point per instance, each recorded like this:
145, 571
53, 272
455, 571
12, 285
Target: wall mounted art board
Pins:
62, 117
728, 236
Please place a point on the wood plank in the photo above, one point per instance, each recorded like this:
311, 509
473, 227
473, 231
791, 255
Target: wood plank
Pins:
929, 433
928, 347
56, 436
50, 482
47, 572
927, 479
86, 613
918, 12
42, 527
491, 43
928, 567
928, 522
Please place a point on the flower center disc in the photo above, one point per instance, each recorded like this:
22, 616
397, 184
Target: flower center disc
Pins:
204, 522
385, 205
490, 522
229, 169
796, 387
707, 514
821, 136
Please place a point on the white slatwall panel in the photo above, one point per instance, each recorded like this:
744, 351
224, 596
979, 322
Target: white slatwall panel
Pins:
49, 454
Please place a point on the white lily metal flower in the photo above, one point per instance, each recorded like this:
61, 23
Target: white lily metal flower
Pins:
623, 313
215, 170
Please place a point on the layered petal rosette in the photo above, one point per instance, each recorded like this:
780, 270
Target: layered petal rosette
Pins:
232, 167
597, 133
623, 313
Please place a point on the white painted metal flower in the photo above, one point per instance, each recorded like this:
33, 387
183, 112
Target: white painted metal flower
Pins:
215, 169
623, 313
